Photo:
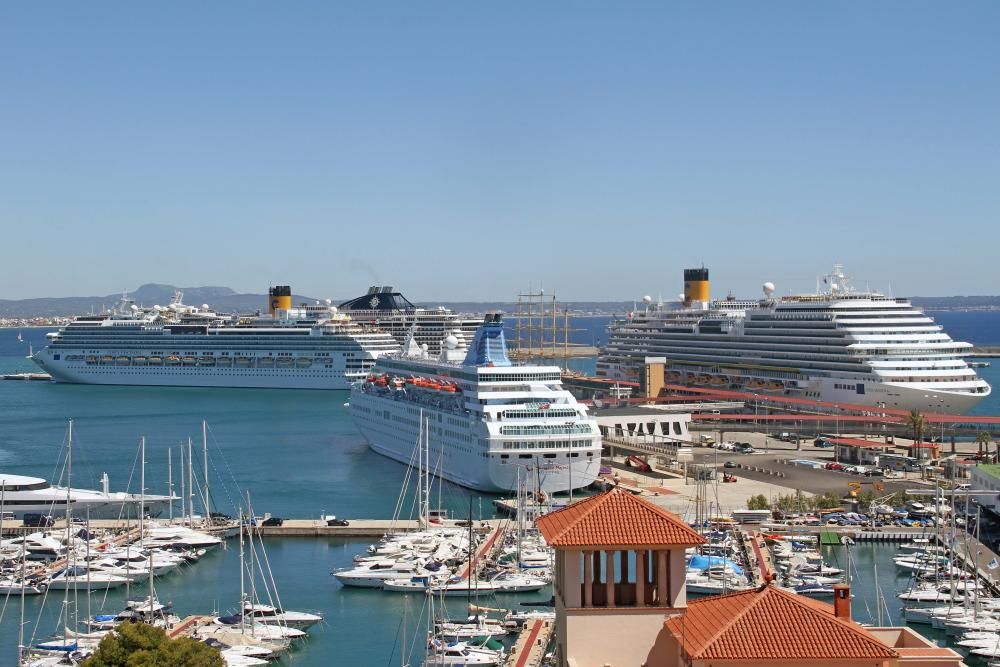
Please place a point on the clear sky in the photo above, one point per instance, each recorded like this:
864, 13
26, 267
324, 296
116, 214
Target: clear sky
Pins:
471, 150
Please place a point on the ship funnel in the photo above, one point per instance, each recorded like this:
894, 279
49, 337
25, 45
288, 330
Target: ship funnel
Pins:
281, 299
695, 286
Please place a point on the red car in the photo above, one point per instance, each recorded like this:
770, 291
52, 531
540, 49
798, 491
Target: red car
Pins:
834, 466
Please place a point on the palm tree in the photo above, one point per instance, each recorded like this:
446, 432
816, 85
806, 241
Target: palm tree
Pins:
983, 439
917, 423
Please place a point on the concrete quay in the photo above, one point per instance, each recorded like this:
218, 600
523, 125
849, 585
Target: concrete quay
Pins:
531, 645
359, 527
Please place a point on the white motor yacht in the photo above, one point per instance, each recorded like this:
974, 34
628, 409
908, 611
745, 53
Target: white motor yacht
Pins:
263, 613
80, 578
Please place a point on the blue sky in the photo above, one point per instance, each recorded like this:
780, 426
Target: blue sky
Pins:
465, 151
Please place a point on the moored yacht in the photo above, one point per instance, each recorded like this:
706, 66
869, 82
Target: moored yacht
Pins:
33, 495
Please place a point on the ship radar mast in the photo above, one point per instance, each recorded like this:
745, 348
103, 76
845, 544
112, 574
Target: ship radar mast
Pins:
837, 282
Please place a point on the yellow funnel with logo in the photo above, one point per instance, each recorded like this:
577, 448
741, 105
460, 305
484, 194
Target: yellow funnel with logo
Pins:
696, 285
281, 299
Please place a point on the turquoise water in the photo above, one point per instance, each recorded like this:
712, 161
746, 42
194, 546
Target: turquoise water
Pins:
299, 454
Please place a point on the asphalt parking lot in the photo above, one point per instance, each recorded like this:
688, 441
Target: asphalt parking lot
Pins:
803, 478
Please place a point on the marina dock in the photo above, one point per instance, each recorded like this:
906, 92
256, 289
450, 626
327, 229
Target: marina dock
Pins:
532, 642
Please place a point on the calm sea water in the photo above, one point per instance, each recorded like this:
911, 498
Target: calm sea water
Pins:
299, 455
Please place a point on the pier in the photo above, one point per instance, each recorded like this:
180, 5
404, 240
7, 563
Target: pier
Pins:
532, 642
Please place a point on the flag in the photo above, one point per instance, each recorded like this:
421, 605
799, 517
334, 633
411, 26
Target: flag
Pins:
993, 564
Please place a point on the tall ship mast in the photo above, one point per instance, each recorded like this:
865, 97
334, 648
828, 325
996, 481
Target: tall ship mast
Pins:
838, 345
490, 421
305, 347
389, 310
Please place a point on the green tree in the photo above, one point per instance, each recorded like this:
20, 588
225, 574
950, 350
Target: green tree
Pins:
983, 440
917, 423
758, 502
141, 645
828, 500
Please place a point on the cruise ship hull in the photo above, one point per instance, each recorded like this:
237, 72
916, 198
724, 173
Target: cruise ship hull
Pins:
497, 478
488, 474
196, 376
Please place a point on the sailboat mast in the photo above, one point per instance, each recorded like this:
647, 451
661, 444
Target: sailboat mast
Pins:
204, 453
183, 489
190, 483
142, 487
243, 595
427, 471
69, 485
170, 482
420, 473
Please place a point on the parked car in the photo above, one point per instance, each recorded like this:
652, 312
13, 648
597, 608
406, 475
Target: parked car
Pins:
822, 442
272, 521
38, 520
833, 465
334, 521
729, 464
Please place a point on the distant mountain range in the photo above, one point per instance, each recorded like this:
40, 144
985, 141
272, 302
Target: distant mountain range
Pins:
224, 299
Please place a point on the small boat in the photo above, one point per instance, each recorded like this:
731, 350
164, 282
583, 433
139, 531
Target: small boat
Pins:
224, 361
123, 360
242, 361
91, 359
460, 653
188, 361
206, 361
263, 613
107, 359
155, 360
260, 630
303, 362
285, 362
266, 362
11, 586
173, 360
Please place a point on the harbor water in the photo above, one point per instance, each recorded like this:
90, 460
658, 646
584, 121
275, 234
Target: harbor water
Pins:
300, 456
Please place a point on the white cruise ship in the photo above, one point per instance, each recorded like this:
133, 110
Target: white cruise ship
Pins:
488, 418
33, 495
837, 345
389, 310
308, 347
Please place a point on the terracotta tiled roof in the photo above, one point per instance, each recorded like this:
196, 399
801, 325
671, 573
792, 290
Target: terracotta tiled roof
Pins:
768, 624
616, 519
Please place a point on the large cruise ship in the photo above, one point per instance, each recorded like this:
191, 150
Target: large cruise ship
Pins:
390, 310
837, 345
307, 347
490, 422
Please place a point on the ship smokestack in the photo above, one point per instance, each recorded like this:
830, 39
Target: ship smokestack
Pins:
281, 299
696, 286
